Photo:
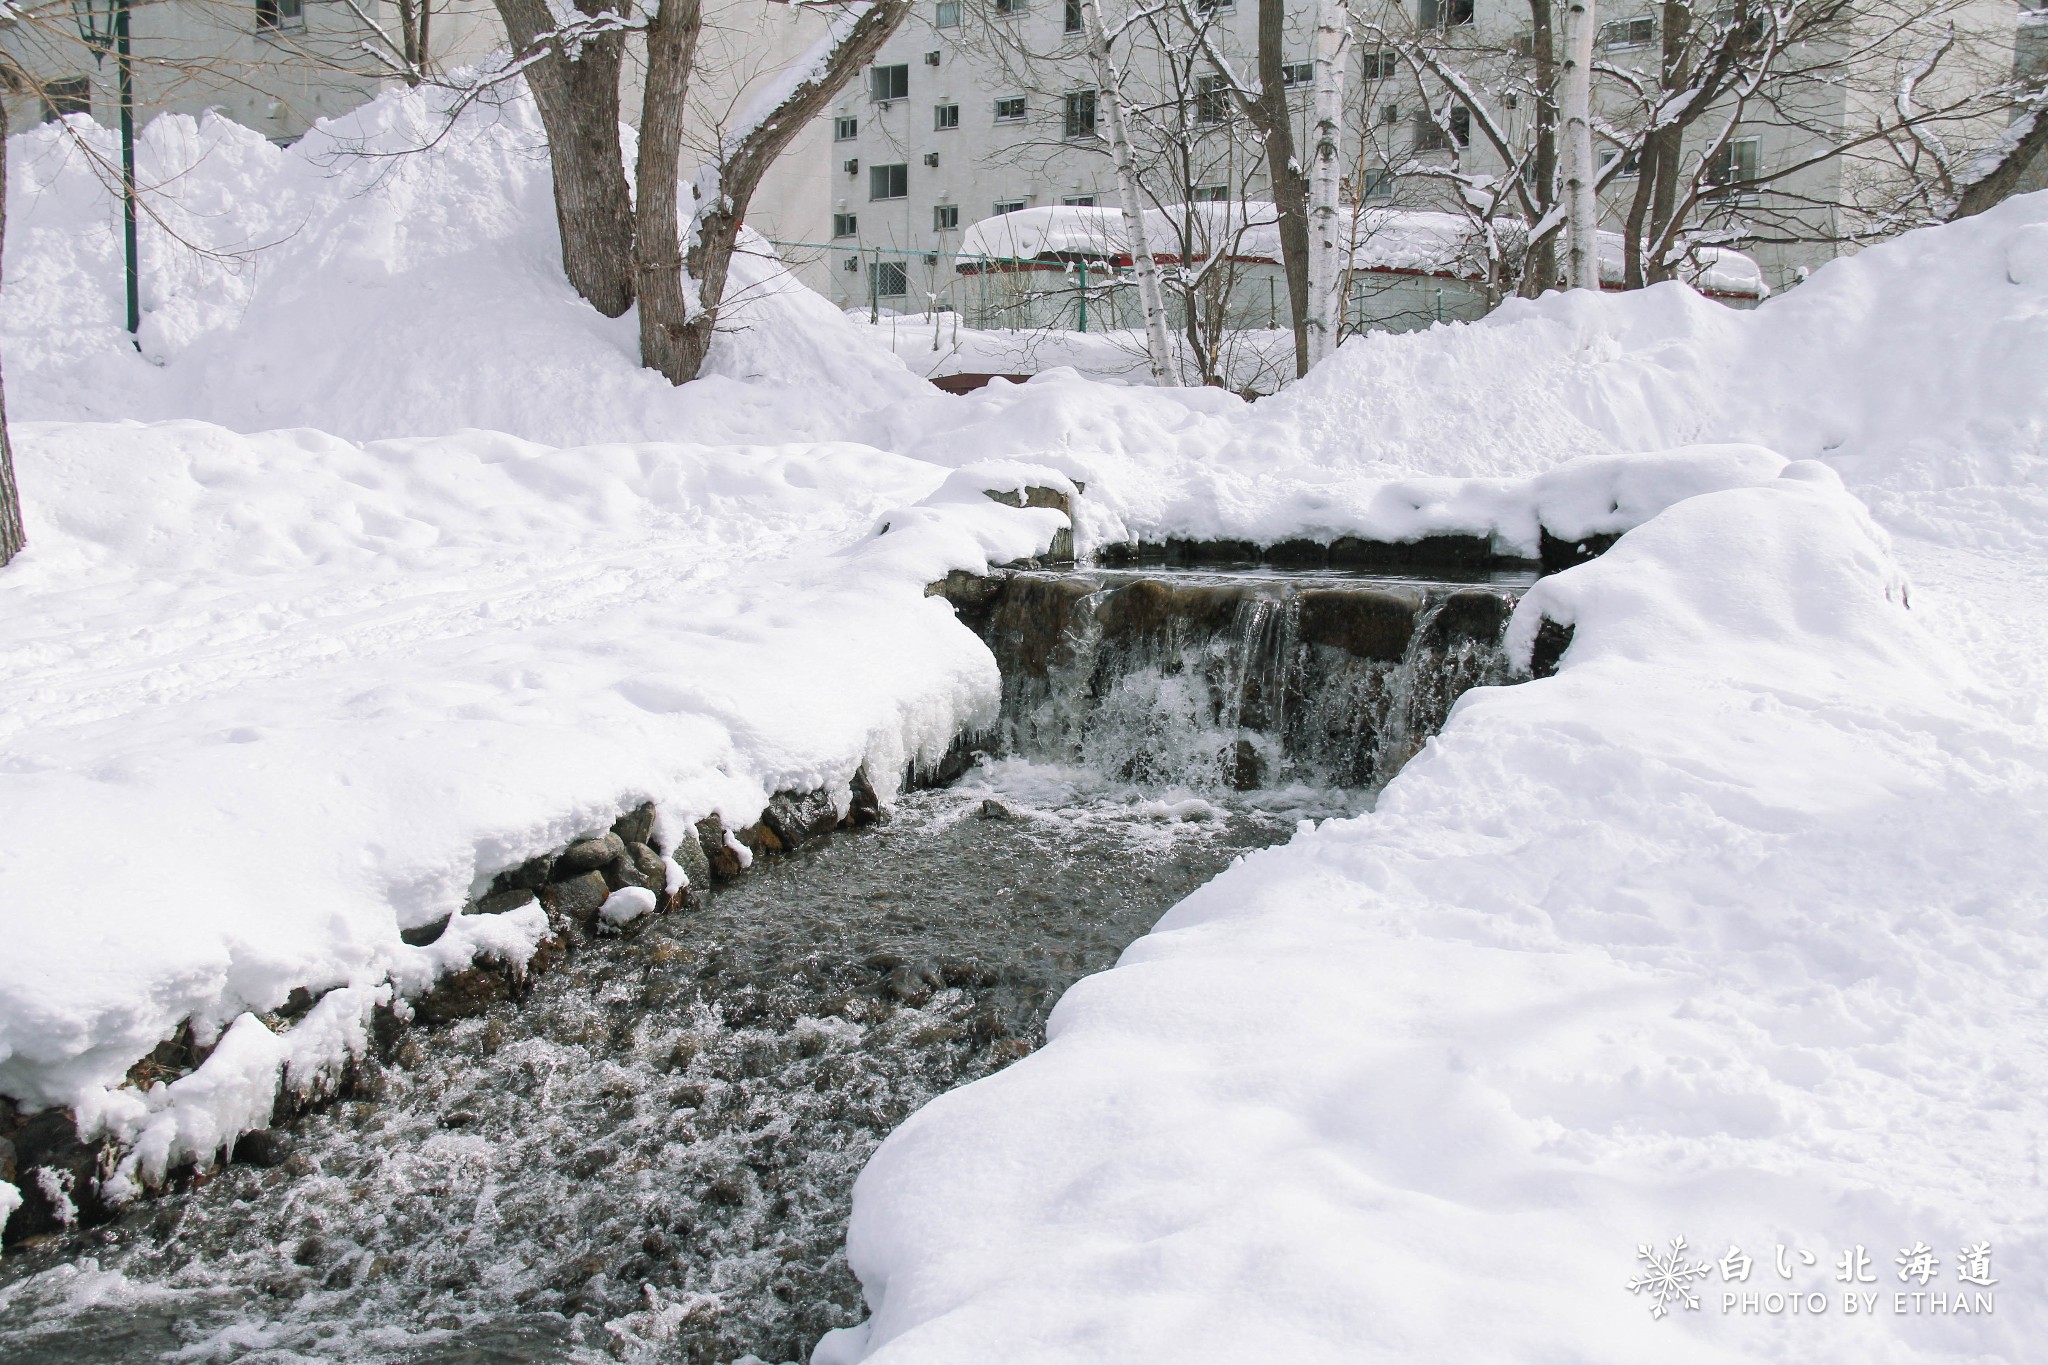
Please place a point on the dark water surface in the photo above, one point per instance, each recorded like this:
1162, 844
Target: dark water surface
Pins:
651, 1156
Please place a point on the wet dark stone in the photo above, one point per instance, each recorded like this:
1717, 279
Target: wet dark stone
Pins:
1036, 496
530, 875
636, 826
689, 855
1032, 613
462, 995
1211, 552
576, 899
7, 1166
798, 818
723, 862
865, 807
1557, 554
1247, 767
265, 1147
1473, 614
1297, 554
588, 855
993, 809
1366, 623
1441, 552
420, 935
1552, 640
498, 902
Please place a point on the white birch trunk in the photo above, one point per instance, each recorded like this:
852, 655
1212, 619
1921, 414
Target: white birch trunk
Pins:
1327, 230
1151, 296
1575, 112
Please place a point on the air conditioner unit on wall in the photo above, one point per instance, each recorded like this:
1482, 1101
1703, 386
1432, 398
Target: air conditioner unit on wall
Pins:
931, 158
931, 59
852, 165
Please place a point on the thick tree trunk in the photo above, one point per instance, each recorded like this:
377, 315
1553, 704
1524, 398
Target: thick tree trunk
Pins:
1151, 293
1539, 271
577, 91
1575, 107
12, 537
1329, 238
666, 342
1290, 187
2028, 148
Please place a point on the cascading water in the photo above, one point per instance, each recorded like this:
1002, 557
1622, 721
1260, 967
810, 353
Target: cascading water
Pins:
650, 1156
1238, 681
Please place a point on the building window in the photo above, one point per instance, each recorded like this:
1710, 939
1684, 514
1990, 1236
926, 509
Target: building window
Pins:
1390, 114
280, 16
949, 14
1735, 167
1378, 185
889, 82
845, 225
1212, 100
1081, 113
72, 95
945, 116
1009, 9
1629, 32
1072, 22
1010, 206
1010, 109
1631, 163
1379, 66
945, 217
888, 280
1298, 73
1430, 135
889, 182
1210, 194
845, 129
1445, 13
1079, 201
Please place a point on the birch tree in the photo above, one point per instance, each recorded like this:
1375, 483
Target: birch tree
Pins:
12, 536
1329, 233
1575, 112
1151, 298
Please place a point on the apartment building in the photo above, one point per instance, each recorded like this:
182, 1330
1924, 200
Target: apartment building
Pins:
981, 107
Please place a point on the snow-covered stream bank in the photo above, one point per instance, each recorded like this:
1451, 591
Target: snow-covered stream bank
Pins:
650, 1156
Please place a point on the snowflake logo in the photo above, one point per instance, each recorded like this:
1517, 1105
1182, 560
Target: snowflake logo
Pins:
1667, 1277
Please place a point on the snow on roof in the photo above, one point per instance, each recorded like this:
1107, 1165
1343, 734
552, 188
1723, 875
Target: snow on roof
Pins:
1409, 240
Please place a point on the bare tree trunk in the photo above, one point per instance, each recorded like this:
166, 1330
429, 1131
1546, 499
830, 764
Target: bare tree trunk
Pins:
1151, 297
1575, 107
12, 536
1327, 230
577, 90
1539, 272
1290, 188
725, 189
657, 247
1998, 182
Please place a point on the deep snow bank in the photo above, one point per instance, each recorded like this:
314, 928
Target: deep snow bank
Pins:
1725, 932
358, 285
318, 692
1914, 368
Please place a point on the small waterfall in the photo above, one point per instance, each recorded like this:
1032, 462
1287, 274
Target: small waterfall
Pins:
1240, 681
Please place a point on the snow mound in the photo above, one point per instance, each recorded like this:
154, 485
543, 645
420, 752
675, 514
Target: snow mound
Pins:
1719, 934
359, 285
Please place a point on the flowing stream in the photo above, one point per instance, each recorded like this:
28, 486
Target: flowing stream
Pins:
651, 1155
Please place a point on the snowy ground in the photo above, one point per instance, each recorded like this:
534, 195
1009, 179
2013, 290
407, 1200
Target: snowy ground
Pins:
1731, 931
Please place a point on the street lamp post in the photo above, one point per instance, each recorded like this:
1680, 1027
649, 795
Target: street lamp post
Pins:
103, 24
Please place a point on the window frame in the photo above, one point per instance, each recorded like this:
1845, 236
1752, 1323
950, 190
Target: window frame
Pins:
1023, 108
1004, 206
1081, 106
946, 14
945, 118
845, 128
845, 225
1621, 35
878, 74
280, 16
886, 176
945, 217
878, 271
1212, 101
